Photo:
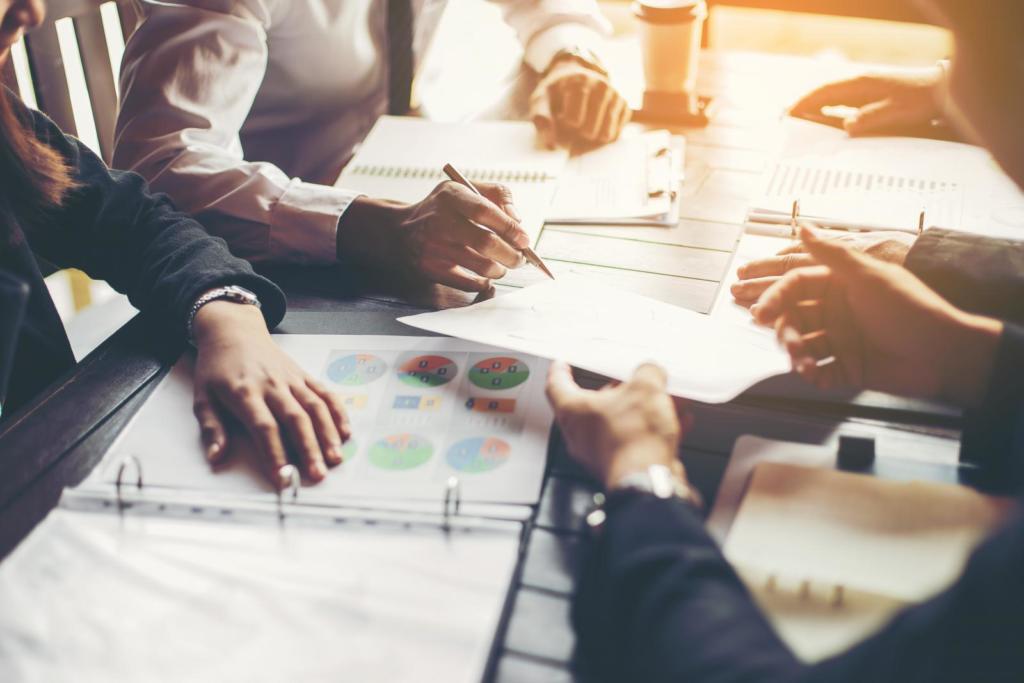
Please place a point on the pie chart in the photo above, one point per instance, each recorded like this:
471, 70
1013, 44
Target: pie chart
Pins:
356, 369
400, 452
478, 454
427, 371
500, 372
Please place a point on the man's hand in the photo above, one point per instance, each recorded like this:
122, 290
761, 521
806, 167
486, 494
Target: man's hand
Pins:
574, 104
241, 373
757, 276
453, 237
898, 103
620, 429
857, 321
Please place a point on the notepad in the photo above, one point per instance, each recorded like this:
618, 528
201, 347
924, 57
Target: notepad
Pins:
633, 181
832, 556
402, 157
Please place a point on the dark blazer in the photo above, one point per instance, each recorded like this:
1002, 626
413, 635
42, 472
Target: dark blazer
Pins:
114, 230
656, 600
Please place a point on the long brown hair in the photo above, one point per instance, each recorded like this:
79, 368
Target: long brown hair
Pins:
35, 176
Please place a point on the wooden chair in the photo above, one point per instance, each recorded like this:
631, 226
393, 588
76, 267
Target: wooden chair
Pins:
49, 79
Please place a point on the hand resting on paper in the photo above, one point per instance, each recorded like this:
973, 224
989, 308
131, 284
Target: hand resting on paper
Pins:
756, 276
574, 104
858, 321
439, 239
897, 103
241, 374
620, 429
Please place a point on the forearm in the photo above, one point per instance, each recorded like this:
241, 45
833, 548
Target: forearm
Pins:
658, 602
982, 275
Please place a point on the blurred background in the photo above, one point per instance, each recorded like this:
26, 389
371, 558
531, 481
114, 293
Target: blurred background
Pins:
888, 32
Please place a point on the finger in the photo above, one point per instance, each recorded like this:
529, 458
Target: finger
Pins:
797, 285
876, 118
299, 428
485, 212
598, 101
323, 423
853, 92
212, 431
574, 95
472, 260
616, 120
792, 248
650, 376
842, 259
543, 120
501, 195
456, 277
257, 419
751, 290
483, 243
561, 388
335, 405
774, 265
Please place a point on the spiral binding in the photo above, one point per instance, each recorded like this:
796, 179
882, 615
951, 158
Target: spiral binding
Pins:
486, 175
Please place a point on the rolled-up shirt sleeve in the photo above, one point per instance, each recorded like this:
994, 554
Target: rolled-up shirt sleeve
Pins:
189, 77
546, 27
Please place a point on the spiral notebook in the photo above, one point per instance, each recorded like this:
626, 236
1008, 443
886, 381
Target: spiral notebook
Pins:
402, 157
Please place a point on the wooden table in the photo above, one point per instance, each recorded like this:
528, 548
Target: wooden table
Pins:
54, 442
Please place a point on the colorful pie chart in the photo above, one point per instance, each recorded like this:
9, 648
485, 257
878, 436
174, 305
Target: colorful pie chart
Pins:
400, 452
349, 450
478, 454
356, 369
500, 372
427, 371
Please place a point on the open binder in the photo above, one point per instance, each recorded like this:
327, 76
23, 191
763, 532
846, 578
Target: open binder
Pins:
184, 586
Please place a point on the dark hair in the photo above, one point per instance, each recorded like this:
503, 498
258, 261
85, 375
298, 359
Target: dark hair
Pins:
36, 177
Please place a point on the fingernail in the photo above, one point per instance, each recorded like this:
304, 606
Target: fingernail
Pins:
334, 455
754, 309
213, 450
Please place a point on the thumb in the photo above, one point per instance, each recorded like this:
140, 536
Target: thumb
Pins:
877, 118
840, 259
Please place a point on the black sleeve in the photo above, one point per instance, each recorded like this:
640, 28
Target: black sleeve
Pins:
992, 435
111, 227
658, 602
983, 275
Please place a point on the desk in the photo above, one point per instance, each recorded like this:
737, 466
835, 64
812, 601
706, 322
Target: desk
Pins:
54, 442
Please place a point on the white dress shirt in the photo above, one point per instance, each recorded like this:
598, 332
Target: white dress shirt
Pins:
245, 111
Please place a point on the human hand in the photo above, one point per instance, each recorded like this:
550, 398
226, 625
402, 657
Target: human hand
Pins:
454, 236
900, 102
241, 373
576, 104
756, 276
620, 429
881, 327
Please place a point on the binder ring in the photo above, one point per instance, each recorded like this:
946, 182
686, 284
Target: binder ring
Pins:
290, 474
121, 468
452, 498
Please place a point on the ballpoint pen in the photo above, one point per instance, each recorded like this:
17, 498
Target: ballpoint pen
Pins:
530, 254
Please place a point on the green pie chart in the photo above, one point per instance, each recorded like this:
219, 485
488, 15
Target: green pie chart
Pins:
400, 452
500, 372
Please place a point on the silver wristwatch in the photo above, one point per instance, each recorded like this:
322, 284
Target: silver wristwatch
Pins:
582, 55
233, 293
657, 480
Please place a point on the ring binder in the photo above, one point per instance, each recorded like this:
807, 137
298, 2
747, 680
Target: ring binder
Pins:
129, 460
288, 473
452, 486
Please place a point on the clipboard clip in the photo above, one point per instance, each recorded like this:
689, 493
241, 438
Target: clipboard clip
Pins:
130, 461
659, 174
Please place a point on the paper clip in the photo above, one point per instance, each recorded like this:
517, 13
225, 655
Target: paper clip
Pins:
452, 499
130, 460
794, 214
290, 474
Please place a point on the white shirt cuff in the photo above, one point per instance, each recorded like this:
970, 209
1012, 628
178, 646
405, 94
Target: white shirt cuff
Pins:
543, 47
304, 223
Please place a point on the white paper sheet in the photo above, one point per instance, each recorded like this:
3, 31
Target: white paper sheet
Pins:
611, 332
95, 598
422, 409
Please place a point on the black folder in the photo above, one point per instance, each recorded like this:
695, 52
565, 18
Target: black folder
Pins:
13, 300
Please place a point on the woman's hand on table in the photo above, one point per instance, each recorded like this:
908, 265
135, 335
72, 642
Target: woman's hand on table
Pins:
885, 103
620, 429
242, 375
756, 276
858, 321
453, 237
